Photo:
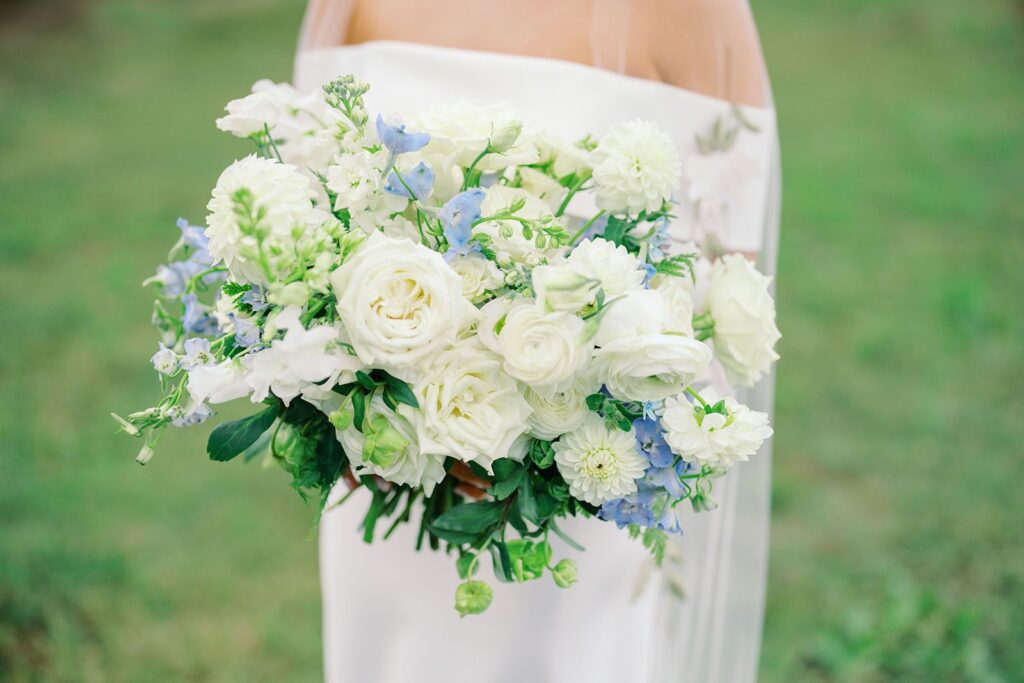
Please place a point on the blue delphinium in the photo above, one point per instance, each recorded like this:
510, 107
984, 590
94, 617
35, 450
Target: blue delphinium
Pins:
397, 141
420, 180
247, 332
650, 441
197, 318
175, 276
255, 298
649, 272
458, 215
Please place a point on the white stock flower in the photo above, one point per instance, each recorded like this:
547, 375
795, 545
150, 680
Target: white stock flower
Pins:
405, 464
543, 350
744, 314
279, 191
470, 409
598, 463
616, 269
714, 438
463, 129
358, 182
400, 304
561, 412
299, 359
479, 276
637, 359
512, 246
636, 168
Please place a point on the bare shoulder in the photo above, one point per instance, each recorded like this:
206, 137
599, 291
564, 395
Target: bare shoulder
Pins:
709, 46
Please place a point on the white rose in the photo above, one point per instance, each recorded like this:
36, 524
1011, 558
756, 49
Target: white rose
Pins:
636, 358
560, 412
470, 409
636, 168
464, 129
744, 314
400, 304
479, 276
616, 269
405, 462
513, 247
543, 350
283, 196
561, 287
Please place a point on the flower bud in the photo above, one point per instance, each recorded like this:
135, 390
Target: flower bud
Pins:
341, 418
126, 426
503, 138
145, 455
383, 442
564, 573
560, 288
472, 597
292, 294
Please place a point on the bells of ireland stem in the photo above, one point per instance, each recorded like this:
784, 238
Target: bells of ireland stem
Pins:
472, 597
383, 443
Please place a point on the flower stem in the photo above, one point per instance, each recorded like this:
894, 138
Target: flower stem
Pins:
586, 225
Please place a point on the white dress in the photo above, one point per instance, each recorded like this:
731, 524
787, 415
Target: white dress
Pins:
388, 612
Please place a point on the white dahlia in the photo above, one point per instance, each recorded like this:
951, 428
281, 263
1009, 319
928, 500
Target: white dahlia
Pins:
719, 439
636, 168
599, 464
280, 193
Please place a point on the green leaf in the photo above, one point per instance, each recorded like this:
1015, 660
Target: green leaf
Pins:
467, 522
231, 438
502, 562
465, 563
616, 229
358, 409
368, 382
401, 391
655, 540
526, 502
507, 475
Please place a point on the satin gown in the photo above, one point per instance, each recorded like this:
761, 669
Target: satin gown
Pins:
388, 612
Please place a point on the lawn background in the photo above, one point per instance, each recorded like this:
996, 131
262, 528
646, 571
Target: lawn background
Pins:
897, 528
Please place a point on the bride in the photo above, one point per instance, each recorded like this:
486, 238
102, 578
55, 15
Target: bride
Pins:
695, 68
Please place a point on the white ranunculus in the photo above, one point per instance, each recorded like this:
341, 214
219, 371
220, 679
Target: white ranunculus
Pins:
542, 186
561, 287
281, 193
543, 350
515, 247
565, 158
678, 295
217, 383
744, 314
598, 463
400, 304
616, 269
561, 412
463, 129
470, 409
404, 462
636, 358
479, 276
301, 358
636, 168
714, 438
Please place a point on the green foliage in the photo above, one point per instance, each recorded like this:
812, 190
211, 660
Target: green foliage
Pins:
617, 414
468, 522
228, 439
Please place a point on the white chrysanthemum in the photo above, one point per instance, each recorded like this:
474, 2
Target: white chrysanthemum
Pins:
599, 464
617, 270
512, 246
744, 313
636, 168
281, 193
713, 438
479, 276
407, 464
470, 409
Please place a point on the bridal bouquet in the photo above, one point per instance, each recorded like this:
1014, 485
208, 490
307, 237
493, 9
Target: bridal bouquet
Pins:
414, 309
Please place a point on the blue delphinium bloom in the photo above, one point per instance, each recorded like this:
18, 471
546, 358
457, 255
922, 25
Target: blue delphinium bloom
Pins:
420, 180
192, 414
397, 140
650, 441
458, 215
627, 510
649, 272
197, 318
193, 235
256, 298
197, 353
247, 332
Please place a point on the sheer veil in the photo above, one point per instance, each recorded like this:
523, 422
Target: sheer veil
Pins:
720, 564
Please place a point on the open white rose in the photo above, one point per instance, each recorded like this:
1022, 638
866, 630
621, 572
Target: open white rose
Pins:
636, 358
402, 461
264, 106
470, 409
744, 314
282, 194
479, 275
400, 303
543, 350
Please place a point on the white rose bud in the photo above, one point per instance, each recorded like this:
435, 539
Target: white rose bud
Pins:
504, 137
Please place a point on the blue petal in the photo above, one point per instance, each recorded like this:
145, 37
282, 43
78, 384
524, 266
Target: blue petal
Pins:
397, 140
420, 180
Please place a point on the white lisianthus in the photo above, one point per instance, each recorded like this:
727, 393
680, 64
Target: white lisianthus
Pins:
598, 463
464, 129
217, 383
281, 194
542, 186
678, 295
616, 269
717, 437
636, 168
394, 452
560, 412
637, 359
565, 159
479, 276
560, 287
266, 105
470, 409
544, 350
743, 311
400, 304
507, 238
301, 358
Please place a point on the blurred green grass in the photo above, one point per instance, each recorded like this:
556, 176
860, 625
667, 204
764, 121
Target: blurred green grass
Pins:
896, 550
